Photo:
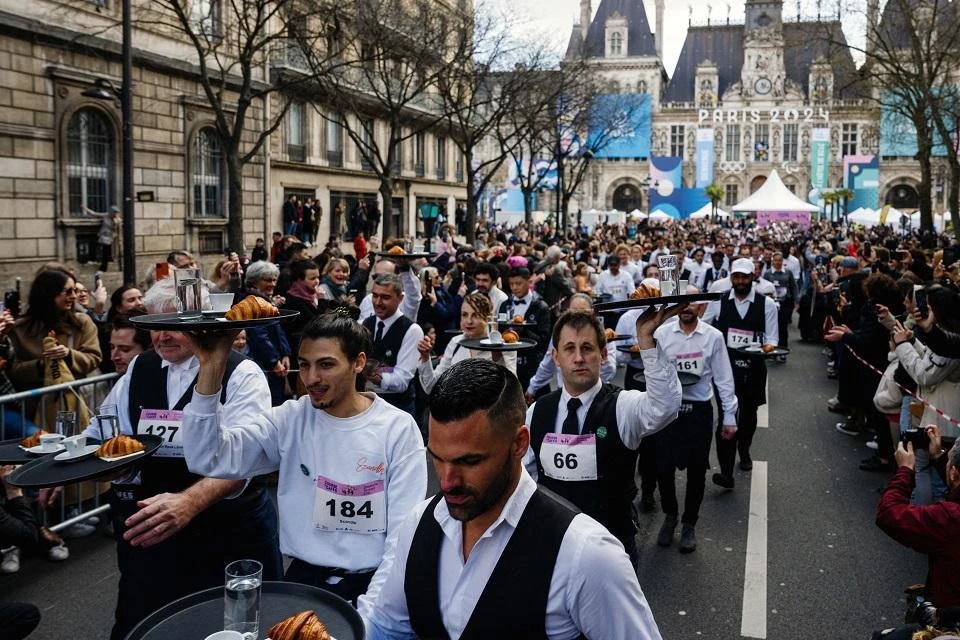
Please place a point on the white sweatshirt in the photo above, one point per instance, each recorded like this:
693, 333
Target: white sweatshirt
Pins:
304, 443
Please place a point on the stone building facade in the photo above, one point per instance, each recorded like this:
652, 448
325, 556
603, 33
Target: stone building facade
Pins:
60, 149
761, 85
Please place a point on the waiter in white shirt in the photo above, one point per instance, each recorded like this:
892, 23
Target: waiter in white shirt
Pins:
351, 466
412, 291
745, 317
492, 555
697, 349
175, 530
486, 276
395, 339
613, 282
547, 371
584, 436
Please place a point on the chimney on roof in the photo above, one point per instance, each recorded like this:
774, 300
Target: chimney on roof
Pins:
658, 39
873, 21
586, 15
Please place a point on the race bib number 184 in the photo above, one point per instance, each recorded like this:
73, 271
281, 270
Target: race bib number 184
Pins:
359, 508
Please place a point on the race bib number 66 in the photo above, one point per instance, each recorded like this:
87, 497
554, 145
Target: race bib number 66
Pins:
571, 458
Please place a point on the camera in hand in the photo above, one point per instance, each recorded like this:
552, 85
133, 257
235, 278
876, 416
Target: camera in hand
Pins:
917, 436
920, 299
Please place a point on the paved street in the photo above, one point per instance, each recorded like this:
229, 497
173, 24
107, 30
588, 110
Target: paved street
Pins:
818, 566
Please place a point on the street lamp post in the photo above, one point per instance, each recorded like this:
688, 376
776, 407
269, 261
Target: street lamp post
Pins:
103, 90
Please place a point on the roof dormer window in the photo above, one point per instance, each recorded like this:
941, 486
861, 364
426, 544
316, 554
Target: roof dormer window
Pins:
616, 44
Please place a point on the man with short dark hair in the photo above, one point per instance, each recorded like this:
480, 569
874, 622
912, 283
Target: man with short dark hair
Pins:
486, 276
492, 555
585, 435
527, 304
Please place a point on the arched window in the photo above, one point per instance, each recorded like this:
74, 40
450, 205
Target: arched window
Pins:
207, 173
90, 155
616, 44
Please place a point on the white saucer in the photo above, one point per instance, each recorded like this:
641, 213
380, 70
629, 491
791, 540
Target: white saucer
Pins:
129, 455
40, 450
86, 452
488, 341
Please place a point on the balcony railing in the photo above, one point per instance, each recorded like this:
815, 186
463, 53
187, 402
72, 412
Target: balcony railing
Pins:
418, 169
459, 175
441, 173
335, 158
290, 56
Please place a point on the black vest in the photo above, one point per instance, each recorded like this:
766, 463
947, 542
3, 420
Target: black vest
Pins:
749, 372
148, 390
386, 352
609, 498
514, 601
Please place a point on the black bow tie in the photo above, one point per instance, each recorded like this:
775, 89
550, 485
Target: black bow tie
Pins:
516, 302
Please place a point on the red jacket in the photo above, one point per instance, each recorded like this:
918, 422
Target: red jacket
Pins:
931, 529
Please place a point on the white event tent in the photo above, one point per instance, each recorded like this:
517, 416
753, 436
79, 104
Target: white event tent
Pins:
774, 197
706, 211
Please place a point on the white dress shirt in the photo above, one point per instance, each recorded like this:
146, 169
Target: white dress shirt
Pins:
548, 369
593, 589
409, 306
618, 286
247, 395
639, 413
497, 297
707, 340
397, 380
793, 265
771, 328
627, 326
380, 444
453, 354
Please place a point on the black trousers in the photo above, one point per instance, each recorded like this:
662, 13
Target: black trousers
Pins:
746, 428
685, 444
17, 620
646, 454
784, 316
348, 586
190, 561
106, 256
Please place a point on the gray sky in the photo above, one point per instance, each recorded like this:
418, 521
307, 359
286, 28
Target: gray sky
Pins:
555, 18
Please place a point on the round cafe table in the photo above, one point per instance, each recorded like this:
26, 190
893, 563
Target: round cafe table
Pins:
196, 616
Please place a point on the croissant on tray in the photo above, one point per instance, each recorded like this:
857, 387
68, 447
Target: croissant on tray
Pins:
610, 334
122, 445
510, 337
301, 626
32, 441
251, 308
645, 291
396, 251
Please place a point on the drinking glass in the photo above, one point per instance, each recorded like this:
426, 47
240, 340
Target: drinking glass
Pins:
67, 423
241, 597
107, 417
189, 292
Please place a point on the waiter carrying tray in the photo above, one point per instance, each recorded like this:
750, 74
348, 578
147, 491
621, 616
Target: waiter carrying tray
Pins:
351, 465
584, 436
745, 317
492, 555
698, 349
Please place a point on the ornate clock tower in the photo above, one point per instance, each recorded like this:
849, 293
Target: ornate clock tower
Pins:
763, 76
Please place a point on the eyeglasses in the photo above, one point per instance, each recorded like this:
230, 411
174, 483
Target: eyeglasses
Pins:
71, 291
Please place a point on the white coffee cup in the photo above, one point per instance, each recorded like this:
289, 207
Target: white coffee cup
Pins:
49, 441
221, 301
75, 444
225, 635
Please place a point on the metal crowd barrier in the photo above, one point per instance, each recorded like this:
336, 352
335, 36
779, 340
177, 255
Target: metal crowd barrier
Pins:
93, 397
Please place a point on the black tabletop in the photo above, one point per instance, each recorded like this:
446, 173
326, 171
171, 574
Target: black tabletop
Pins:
198, 615
646, 302
11, 453
686, 379
482, 344
48, 472
207, 322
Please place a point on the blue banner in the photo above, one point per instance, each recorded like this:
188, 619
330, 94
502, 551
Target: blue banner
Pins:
898, 134
666, 185
620, 126
704, 157
862, 175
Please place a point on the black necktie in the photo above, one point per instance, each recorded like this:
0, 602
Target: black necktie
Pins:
379, 335
570, 424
